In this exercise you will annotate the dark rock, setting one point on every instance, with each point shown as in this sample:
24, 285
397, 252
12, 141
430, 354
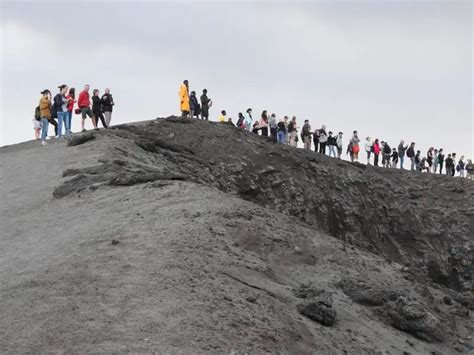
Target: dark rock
413, 318
114, 242
448, 300
319, 309
80, 139
252, 299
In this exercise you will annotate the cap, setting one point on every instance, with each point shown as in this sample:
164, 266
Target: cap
45, 91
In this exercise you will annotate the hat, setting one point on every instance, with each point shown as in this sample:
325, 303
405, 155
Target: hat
45, 91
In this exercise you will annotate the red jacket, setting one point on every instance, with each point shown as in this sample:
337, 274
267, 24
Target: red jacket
83, 100
70, 105
376, 149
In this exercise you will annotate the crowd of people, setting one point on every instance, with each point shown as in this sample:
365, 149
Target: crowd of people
285, 130
61, 107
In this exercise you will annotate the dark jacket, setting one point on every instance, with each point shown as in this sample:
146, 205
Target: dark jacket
411, 152
440, 158
306, 131
332, 141
386, 149
281, 127
401, 150
449, 162
107, 103
291, 127
194, 104
96, 104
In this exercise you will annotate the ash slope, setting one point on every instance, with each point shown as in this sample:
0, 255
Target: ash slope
204, 220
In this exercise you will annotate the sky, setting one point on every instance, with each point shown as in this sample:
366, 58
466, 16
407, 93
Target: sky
391, 70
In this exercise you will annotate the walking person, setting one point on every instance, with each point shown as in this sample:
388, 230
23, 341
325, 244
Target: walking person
60, 107
206, 104
281, 131
306, 135
71, 96
332, 143
97, 109
184, 98
401, 152
411, 155
84, 104
45, 114
339, 145
107, 106
376, 149
355, 146
368, 148
292, 131
263, 124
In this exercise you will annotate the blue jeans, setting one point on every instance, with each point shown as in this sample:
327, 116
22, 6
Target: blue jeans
402, 158
44, 128
332, 151
281, 137
69, 122
62, 117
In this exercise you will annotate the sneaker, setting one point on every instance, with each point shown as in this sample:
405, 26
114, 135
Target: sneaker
43, 143
48, 137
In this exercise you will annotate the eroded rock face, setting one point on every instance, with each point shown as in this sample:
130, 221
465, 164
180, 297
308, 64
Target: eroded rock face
419, 219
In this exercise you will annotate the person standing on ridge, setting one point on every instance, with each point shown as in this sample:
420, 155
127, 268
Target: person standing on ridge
376, 149
355, 146
394, 157
184, 98
449, 165
411, 155
70, 106
273, 127
240, 121
386, 153
223, 117
418, 161
206, 104
461, 166
281, 131
263, 123
248, 119
435, 161
84, 104
306, 135
339, 145
332, 142
60, 107
292, 131
194, 105
441, 160
453, 167
430, 158
368, 148
322, 138
97, 109
401, 152
45, 114
107, 106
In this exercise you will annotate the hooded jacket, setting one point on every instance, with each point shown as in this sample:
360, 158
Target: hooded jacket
184, 98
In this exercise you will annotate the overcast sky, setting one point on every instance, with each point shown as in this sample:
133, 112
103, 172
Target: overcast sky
392, 70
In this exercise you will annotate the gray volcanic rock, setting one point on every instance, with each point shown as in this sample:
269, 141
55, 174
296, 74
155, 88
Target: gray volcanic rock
425, 220
184, 236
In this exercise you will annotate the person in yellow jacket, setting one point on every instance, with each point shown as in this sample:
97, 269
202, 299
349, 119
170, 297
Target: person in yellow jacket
45, 114
184, 98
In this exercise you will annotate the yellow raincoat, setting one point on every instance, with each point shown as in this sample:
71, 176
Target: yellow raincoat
184, 98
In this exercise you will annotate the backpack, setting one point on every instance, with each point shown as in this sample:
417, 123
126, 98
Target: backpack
37, 114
